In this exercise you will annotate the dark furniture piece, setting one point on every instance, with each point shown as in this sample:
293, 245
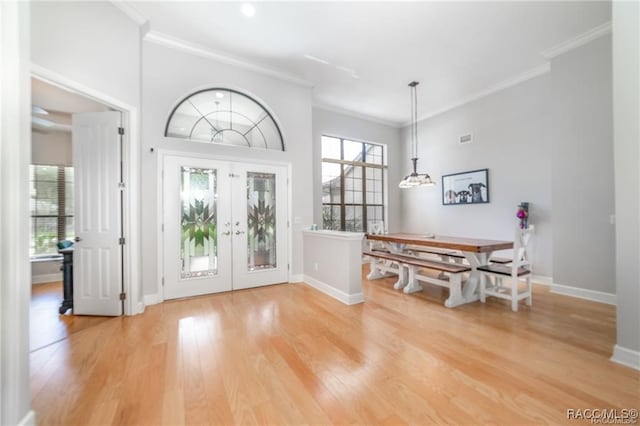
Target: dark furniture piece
67, 279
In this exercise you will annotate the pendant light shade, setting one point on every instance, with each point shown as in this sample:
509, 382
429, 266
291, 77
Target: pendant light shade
415, 179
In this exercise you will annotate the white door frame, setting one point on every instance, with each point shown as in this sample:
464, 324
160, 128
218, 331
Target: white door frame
162, 153
131, 170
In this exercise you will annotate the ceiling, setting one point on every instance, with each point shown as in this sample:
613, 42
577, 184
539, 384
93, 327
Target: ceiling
373, 50
59, 105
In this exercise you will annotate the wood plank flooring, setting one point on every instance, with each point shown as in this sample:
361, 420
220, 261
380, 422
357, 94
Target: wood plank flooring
287, 354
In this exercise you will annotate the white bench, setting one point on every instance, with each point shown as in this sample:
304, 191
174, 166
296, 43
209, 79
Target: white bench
409, 282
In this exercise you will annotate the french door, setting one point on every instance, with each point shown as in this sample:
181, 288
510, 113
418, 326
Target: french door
224, 226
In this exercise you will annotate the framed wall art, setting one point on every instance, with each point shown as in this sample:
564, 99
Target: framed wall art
466, 188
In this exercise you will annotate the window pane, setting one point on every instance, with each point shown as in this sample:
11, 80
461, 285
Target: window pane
331, 183
331, 217
353, 218
45, 235
352, 184
48, 173
46, 198
353, 151
330, 148
373, 153
69, 231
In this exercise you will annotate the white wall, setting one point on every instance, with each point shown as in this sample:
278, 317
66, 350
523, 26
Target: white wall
626, 98
15, 151
51, 148
92, 43
330, 123
170, 75
582, 167
511, 138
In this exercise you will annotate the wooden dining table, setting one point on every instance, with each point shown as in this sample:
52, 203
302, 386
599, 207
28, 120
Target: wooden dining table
476, 251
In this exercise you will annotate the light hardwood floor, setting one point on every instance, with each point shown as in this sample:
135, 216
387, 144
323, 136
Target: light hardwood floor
287, 354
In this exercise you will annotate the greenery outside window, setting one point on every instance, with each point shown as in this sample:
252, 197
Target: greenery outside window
51, 205
353, 184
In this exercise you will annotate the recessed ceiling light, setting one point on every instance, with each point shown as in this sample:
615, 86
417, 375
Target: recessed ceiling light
219, 95
248, 10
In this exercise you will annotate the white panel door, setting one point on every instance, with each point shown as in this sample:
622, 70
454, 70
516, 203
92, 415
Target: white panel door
197, 227
260, 239
97, 257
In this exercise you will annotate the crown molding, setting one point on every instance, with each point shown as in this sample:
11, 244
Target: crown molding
131, 12
194, 49
520, 78
577, 41
357, 115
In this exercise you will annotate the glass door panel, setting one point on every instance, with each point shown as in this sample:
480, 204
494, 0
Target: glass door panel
260, 237
197, 233
261, 221
199, 242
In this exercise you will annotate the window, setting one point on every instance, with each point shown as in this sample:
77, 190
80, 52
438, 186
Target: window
224, 116
353, 184
51, 207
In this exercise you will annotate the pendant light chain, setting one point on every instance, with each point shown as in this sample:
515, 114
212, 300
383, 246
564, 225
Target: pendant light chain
415, 179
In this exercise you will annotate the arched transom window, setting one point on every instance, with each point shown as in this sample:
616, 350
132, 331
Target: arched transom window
226, 117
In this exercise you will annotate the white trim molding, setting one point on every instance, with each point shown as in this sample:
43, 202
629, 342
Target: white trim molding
225, 58
132, 176
297, 278
583, 293
626, 357
542, 280
46, 278
152, 299
347, 299
577, 41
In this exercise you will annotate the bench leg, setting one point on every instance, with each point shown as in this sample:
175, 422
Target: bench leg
455, 292
374, 272
402, 278
413, 284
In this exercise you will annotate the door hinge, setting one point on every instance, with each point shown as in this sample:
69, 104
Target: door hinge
121, 130
162, 227
288, 224
288, 266
121, 185
163, 281
121, 241
123, 296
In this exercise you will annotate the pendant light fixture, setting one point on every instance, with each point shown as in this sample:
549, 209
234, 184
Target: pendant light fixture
414, 179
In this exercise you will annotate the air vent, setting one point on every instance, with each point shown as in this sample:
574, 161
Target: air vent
465, 139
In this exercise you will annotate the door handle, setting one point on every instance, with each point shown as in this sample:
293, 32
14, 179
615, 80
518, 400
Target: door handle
77, 239
226, 233
239, 232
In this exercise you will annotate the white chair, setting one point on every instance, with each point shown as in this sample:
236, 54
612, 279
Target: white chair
502, 280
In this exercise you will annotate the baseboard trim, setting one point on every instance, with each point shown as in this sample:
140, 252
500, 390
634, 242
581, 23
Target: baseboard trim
347, 299
152, 299
296, 278
29, 419
626, 357
583, 293
542, 280
46, 278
